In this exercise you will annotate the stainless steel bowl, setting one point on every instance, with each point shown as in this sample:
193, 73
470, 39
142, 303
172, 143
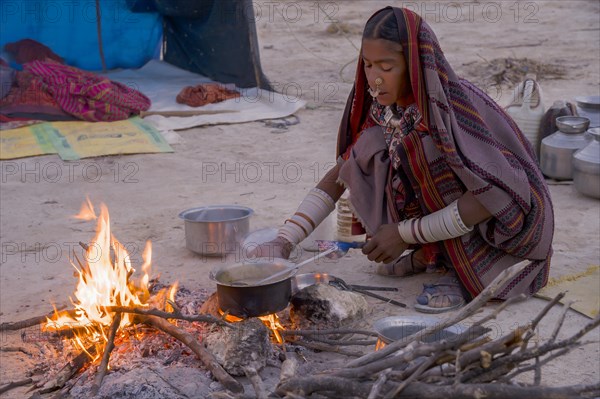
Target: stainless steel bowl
216, 230
396, 328
572, 124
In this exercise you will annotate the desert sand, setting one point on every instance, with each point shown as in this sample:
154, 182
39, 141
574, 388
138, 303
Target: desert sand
308, 57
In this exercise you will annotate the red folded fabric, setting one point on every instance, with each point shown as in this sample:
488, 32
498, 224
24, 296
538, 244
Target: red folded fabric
28, 50
207, 93
86, 95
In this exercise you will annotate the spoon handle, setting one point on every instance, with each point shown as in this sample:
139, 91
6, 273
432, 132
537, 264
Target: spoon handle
285, 271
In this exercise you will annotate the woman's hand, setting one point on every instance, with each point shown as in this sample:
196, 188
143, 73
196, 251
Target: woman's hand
277, 248
386, 245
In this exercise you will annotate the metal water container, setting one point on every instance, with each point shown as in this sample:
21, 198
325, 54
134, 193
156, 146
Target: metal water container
586, 166
558, 148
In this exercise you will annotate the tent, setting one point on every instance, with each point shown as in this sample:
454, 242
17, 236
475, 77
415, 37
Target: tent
214, 38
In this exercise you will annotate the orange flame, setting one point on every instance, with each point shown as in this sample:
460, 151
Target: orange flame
104, 280
87, 211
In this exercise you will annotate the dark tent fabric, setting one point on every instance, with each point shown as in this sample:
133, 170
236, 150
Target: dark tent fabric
215, 38
219, 41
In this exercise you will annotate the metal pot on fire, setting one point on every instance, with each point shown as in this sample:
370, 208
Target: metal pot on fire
239, 295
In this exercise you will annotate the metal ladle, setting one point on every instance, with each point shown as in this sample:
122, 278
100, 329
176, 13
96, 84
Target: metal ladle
331, 250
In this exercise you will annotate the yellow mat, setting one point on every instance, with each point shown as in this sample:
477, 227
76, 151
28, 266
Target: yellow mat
76, 140
24, 142
582, 287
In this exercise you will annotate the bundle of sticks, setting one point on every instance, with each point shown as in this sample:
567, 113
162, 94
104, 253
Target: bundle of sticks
469, 365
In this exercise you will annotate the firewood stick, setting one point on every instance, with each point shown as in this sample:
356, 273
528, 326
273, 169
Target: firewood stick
539, 317
15, 384
68, 371
533, 367
338, 342
495, 391
110, 345
15, 349
414, 350
167, 315
326, 348
528, 354
480, 300
18, 325
257, 382
561, 320
203, 354
424, 366
340, 331
494, 347
85, 270
500, 308
374, 394
288, 369
305, 386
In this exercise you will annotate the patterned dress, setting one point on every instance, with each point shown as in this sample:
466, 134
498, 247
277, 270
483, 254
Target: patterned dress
453, 139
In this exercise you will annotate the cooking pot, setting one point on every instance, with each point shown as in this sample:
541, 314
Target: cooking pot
216, 230
238, 296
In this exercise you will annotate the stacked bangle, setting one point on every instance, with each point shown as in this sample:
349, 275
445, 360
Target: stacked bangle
315, 207
442, 225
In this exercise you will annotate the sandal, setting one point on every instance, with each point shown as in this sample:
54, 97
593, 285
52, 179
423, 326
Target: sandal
406, 265
445, 295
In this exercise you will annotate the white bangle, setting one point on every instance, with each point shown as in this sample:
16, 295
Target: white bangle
315, 207
441, 225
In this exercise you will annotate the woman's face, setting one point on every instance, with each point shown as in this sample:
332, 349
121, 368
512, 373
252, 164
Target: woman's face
384, 59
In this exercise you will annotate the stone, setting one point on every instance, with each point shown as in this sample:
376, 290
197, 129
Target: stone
247, 346
324, 306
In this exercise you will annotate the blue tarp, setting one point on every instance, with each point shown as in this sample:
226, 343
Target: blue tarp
70, 29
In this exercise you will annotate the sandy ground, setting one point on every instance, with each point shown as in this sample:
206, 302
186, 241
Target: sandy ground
270, 170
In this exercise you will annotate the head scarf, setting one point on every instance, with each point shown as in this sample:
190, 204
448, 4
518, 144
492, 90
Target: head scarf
485, 149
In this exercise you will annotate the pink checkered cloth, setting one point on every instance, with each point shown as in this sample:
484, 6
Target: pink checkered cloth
86, 95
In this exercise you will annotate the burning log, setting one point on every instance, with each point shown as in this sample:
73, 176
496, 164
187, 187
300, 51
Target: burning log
18, 325
68, 371
103, 368
169, 315
204, 355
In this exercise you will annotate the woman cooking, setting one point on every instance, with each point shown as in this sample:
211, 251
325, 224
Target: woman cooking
434, 165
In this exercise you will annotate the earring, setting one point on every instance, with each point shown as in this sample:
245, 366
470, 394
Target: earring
375, 93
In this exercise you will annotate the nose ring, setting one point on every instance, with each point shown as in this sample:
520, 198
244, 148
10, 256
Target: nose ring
375, 93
